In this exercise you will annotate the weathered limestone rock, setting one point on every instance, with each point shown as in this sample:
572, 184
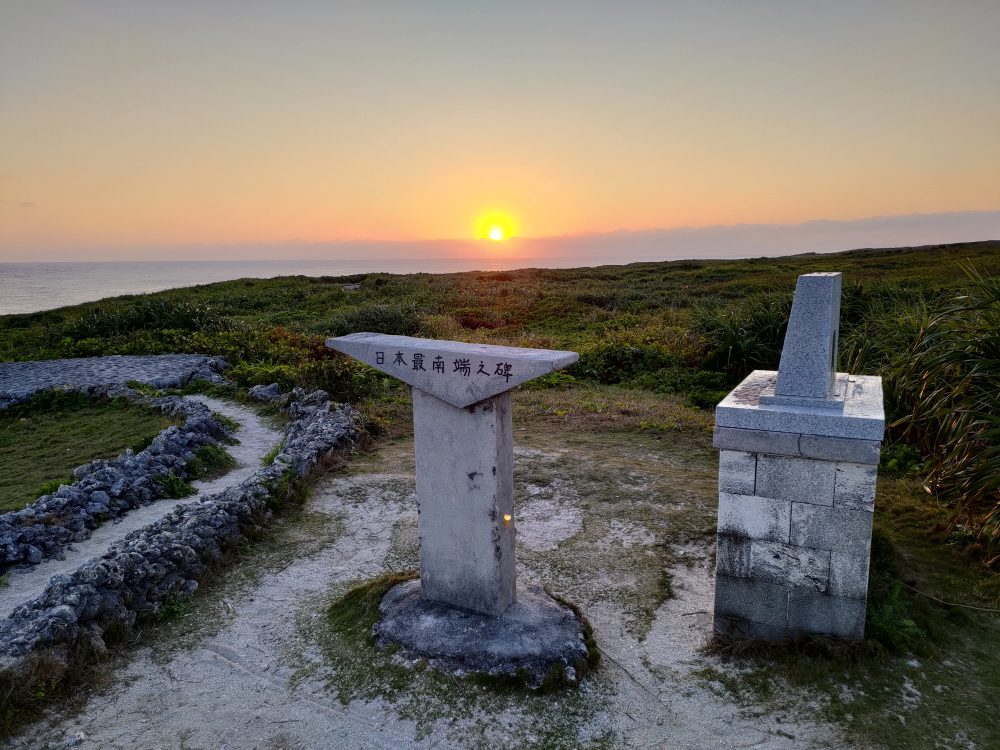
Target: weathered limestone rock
799, 451
138, 573
529, 638
464, 457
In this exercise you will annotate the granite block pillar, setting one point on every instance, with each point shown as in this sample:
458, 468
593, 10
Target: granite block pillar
799, 451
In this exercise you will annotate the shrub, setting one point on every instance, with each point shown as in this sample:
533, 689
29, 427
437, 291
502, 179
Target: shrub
745, 336
402, 320
947, 381
47, 488
888, 619
345, 379
172, 486
681, 380
615, 363
153, 314
209, 461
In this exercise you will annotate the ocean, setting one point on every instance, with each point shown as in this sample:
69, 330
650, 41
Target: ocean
30, 287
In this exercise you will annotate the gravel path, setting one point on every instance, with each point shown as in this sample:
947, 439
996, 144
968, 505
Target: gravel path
256, 439
245, 669
20, 379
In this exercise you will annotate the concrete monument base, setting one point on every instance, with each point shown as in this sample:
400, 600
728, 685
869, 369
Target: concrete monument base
536, 639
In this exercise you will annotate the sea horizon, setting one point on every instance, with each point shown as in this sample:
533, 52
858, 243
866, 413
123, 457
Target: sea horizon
28, 286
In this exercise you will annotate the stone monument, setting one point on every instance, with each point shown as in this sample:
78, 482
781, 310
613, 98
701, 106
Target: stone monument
799, 452
463, 445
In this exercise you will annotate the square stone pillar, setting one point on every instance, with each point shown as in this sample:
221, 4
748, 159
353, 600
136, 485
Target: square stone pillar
465, 486
464, 449
797, 472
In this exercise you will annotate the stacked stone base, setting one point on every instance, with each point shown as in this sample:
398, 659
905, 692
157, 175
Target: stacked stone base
794, 536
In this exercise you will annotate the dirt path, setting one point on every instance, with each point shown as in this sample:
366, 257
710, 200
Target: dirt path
602, 519
256, 439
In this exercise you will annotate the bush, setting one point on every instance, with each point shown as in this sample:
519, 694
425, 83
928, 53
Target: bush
173, 487
947, 381
155, 314
345, 379
616, 363
209, 461
401, 320
900, 458
888, 619
745, 336
681, 380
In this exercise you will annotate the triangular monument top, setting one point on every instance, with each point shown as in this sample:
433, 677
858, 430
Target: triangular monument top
807, 374
457, 373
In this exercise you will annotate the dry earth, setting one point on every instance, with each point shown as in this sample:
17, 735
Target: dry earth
619, 523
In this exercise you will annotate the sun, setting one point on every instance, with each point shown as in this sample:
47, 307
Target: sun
496, 226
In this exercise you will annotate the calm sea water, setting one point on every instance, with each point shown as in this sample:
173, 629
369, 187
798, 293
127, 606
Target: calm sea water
29, 287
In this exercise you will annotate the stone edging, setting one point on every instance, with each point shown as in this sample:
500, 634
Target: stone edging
107, 489
132, 580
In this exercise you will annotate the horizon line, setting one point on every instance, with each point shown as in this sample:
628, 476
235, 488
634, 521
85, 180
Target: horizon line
486, 242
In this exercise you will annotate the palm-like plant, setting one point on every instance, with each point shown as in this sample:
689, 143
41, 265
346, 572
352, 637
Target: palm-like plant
948, 380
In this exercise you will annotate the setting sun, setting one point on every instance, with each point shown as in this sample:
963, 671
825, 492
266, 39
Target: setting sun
496, 226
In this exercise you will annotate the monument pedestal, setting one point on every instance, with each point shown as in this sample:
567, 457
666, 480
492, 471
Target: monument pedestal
796, 497
466, 613
533, 636
799, 452
465, 485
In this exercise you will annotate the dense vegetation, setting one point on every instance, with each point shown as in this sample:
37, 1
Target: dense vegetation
926, 319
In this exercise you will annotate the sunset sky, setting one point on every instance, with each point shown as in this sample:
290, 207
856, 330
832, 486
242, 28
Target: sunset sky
130, 127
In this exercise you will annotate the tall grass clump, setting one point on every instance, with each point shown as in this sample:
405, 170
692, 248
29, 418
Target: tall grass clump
947, 383
144, 315
745, 335
391, 318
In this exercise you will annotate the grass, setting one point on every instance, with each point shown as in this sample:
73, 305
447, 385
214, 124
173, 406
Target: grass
268, 458
659, 344
41, 444
356, 670
352, 616
209, 462
173, 487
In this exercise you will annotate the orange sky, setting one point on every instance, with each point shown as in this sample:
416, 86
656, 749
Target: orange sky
129, 126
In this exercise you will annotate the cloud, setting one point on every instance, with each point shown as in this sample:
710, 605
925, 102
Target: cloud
681, 243
750, 240
26, 204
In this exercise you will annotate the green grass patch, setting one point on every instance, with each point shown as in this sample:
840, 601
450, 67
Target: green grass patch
143, 388
268, 458
210, 461
43, 440
172, 486
175, 606
228, 422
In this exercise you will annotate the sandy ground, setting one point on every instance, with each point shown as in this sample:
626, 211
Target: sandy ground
601, 519
256, 439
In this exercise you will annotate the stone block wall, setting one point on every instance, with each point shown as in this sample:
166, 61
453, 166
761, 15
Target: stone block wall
794, 535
